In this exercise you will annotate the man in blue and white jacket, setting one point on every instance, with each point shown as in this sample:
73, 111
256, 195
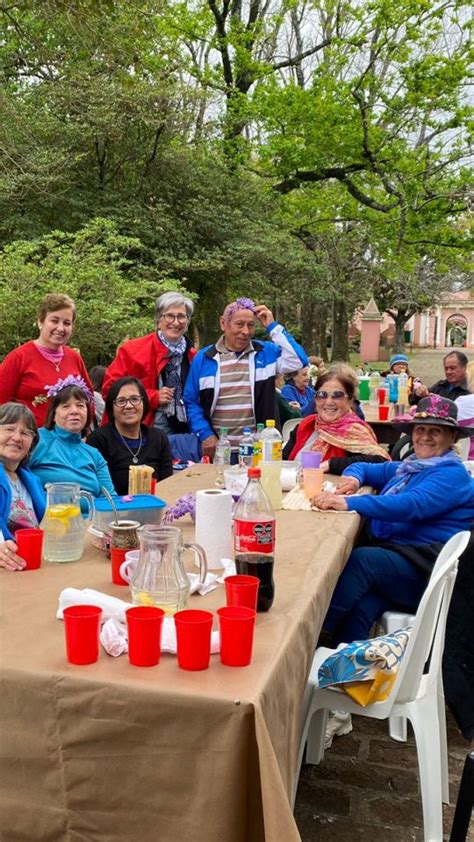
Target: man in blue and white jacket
232, 383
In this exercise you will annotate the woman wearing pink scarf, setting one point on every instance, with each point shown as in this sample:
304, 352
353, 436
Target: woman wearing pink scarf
335, 430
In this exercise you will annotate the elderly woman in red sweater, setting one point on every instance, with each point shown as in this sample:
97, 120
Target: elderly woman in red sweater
335, 431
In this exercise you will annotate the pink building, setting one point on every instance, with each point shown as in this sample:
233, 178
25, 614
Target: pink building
447, 325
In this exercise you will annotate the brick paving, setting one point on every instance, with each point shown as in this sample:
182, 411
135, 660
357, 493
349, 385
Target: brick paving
366, 789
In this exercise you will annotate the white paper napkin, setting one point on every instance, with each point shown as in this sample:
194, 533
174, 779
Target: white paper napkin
113, 638
229, 569
111, 606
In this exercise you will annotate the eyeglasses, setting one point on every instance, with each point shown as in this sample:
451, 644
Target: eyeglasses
338, 395
9, 430
171, 317
133, 399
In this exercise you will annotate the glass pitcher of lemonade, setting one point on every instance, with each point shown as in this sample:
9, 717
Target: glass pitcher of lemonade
63, 525
158, 577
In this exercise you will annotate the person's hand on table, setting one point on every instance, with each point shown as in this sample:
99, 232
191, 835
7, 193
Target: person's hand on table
165, 395
208, 446
328, 500
264, 315
348, 485
8, 557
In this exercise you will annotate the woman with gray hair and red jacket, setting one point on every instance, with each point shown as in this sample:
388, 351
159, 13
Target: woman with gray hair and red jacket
161, 361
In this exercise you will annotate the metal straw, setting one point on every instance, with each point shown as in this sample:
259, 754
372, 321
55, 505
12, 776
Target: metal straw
109, 497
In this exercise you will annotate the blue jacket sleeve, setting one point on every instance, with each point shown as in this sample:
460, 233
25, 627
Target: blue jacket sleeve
103, 473
289, 393
374, 475
425, 497
198, 423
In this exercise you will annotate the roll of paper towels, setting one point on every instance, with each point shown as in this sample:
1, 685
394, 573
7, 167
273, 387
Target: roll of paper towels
214, 525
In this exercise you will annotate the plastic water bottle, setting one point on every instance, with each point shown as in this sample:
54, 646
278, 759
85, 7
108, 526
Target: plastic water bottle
254, 538
374, 385
222, 455
402, 391
271, 443
271, 463
393, 388
257, 445
246, 448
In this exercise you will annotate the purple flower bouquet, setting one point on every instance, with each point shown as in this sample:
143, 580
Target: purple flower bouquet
185, 505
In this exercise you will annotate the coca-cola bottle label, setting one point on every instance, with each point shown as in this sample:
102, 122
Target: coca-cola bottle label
254, 536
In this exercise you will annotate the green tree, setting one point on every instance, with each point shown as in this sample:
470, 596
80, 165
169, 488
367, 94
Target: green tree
108, 275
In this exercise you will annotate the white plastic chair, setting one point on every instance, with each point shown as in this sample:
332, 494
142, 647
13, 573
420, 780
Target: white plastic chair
392, 621
414, 694
288, 426
464, 447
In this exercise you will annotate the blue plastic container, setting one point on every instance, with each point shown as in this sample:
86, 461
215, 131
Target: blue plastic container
142, 507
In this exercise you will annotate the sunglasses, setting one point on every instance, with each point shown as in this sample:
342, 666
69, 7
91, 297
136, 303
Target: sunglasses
338, 395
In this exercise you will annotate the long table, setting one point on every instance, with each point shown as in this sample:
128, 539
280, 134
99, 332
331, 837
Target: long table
384, 431
112, 753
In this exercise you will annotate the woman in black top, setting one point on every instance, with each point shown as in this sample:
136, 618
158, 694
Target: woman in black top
125, 441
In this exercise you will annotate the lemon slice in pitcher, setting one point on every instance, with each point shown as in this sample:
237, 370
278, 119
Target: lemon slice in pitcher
55, 526
57, 520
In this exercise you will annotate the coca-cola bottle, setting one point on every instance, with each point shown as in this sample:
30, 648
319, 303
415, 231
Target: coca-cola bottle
254, 538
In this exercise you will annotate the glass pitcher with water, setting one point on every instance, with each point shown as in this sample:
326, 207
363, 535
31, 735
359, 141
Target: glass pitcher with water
158, 576
63, 525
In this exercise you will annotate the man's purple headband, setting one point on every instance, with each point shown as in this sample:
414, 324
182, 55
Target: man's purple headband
240, 304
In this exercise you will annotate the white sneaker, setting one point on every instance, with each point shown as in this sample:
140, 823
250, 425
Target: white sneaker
338, 724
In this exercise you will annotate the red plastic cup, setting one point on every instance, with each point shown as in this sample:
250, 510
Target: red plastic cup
30, 547
381, 393
82, 625
144, 623
193, 638
153, 486
383, 413
236, 626
242, 590
117, 558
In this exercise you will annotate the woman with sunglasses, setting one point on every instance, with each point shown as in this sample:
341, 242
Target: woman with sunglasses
161, 361
126, 440
335, 431
22, 499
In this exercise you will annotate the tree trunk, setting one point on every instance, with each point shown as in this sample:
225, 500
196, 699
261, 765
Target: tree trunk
340, 329
400, 321
210, 306
309, 338
321, 317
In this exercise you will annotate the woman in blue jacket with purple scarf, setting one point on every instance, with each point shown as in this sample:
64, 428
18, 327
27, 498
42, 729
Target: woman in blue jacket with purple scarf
423, 501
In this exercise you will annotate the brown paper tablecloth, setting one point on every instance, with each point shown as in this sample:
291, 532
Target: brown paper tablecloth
112, 753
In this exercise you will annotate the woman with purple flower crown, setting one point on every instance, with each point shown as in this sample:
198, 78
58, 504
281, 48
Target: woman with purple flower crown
61, 455
25, 370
